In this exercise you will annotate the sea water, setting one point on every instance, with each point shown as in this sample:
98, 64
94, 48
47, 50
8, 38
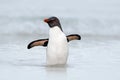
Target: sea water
95, 57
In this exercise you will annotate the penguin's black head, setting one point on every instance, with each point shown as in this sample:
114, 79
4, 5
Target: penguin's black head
52, 22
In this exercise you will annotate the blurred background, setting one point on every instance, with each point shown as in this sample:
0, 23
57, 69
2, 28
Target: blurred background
94, 17
95, 57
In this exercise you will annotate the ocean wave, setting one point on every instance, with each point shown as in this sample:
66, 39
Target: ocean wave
35, 25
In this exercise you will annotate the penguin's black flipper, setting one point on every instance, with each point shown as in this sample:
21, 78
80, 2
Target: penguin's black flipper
44, 42
73, 37
40, 42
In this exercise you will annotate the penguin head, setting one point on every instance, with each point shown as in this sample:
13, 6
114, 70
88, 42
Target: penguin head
52, 22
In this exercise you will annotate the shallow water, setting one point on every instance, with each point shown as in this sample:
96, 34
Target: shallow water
91, 58
95, 57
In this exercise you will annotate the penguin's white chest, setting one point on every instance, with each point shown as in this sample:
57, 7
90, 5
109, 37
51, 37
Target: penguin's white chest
57, 50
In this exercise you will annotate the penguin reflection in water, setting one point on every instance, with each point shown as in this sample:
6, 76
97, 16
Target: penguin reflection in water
57, 43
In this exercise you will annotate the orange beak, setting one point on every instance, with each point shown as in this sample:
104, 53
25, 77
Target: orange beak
46, 20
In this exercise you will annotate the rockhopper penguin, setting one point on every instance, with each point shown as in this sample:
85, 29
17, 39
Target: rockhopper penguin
57, 43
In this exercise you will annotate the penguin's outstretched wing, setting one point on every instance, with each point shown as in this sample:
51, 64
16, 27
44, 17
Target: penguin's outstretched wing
73, 37
44, 42
40, 42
